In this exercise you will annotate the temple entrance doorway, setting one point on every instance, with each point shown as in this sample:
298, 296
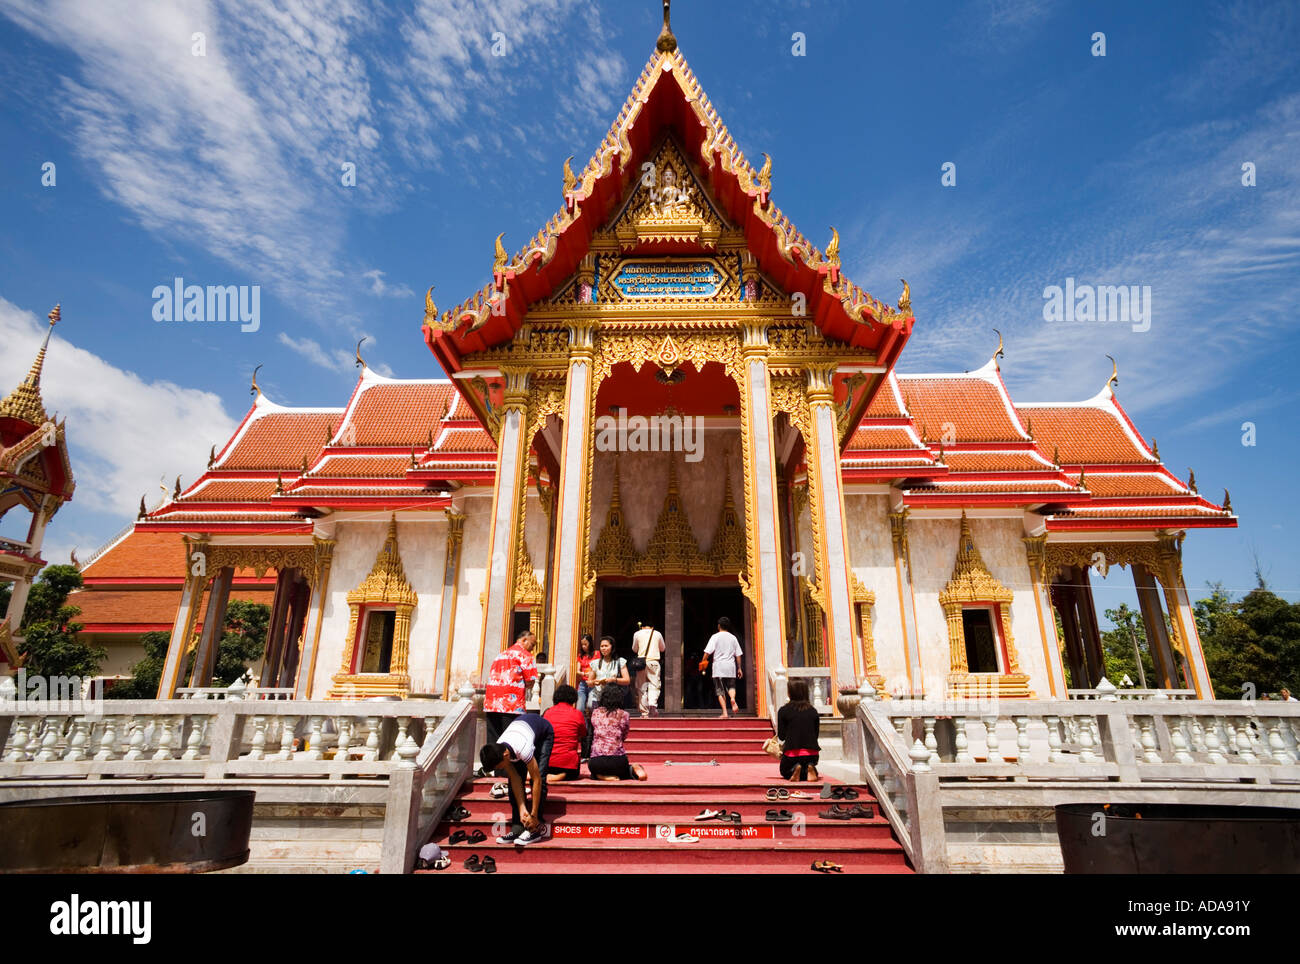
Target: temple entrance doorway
701, 609
623, 610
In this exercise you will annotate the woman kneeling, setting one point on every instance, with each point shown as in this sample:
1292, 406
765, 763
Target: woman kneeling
797, 725
609, 723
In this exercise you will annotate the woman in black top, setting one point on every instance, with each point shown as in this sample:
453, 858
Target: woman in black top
797, 724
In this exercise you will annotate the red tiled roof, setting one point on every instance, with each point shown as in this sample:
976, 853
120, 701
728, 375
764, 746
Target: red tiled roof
141, 554
867, 437
279, 440
1131, 484
887, 403
995, 462
101, 609
397, 413
973, 407
465, 440
1083, 434
231, 490
363, 466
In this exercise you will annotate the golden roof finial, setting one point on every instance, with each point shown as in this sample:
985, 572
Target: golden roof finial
1083, 478
499, 261
212, 456
361, 362
430, 309
254, 389
1114, 372
570, 182
1155, 449
305, 465
24, 402
765, 175
998, 353
666, 43
1029, 427
833, 249
1227, 501
1056, 455
176, 492
279, 483
1191, 481
142, 511
905, 299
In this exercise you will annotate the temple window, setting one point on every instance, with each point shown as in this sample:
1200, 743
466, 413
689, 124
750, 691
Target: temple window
377, 653
981, 640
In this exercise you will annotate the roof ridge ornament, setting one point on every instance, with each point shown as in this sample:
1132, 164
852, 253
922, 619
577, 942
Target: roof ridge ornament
361, 362
1114, 373
1155, 449
1227, 501
666, 43
998, 352
254, 389
570, 181
905, 299
500, 257
833, 249
1191, 481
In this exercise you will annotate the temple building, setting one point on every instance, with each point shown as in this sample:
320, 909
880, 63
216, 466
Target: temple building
669, 406
35, 479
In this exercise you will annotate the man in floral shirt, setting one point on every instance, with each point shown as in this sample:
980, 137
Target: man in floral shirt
508, 678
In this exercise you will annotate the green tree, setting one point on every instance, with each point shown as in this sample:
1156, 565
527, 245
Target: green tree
243, 641
1117, 647
1251, 645
51, 646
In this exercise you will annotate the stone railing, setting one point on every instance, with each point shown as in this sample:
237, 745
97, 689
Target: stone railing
819, 688
1131, 694
420, 749
913, 753
233, 693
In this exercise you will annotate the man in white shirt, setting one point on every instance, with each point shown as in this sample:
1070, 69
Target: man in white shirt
724, 648
648, 644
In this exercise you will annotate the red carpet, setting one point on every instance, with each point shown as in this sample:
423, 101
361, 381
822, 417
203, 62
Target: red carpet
605, 826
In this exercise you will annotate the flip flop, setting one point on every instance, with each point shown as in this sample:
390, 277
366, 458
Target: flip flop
837, 793
771, 793
458, 836
473, 864
442, 863
850, 793
477, 837
734, 817
459, 814
707, 814
800, 795
778, 793
779, 816
821, 866
772, 815
489, 865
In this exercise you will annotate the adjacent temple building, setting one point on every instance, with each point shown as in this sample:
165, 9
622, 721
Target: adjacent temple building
670, 406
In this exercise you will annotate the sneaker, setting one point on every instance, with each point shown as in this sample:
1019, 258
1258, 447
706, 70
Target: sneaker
508, 837
531, 836
500, 791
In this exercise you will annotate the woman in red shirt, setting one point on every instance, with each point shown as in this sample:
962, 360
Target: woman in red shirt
586, 653
570, 728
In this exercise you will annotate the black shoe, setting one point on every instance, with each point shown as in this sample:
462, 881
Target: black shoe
836, 812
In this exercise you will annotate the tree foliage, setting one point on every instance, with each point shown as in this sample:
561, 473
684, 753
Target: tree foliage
1117, 648
51, 646
1251, 645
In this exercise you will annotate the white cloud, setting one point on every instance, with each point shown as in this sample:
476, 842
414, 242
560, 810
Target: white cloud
382, 289
332, 359
124, 433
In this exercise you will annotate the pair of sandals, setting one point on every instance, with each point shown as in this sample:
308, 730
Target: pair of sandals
460, 836
779, 816
836, 812
838, 793
500, 791
442, 863
781, 793
826, 867
459, 814
721, 815
486, 865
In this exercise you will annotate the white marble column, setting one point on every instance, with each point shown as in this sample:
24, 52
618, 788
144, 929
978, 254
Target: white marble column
571, 509
761, 512
907, 601
1036, 555
834, 551
512, 463
196, 578
450, 588
1183, 614
302, 685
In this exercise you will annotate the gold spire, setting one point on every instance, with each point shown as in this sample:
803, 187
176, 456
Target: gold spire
24, 402
666, 43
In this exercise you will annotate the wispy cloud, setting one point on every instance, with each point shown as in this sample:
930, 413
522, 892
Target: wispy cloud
382, 289
331, 359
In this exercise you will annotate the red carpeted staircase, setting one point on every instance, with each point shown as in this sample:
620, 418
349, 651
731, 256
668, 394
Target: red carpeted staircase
601, 826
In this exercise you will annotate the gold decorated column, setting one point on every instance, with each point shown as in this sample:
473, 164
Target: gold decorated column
450, 592
1036, 555
834, 578
196, 578
323, 558
512, 471
906, 600
1187, 641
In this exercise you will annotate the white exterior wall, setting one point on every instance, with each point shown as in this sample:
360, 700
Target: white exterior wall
468, 632
871, 554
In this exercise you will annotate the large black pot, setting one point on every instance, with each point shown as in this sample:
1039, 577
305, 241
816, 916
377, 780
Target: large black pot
152, 833
1174, 838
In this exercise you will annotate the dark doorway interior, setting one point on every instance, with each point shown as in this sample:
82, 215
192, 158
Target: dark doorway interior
701, 608
623, 611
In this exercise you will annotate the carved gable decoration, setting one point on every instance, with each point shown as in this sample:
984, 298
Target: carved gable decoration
971, 580
668, 205
387, 580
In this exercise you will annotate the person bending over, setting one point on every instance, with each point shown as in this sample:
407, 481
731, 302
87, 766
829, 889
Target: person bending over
524, 750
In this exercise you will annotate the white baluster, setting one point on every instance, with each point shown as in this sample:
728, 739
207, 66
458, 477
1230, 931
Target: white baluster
1197, 733
18, 741
1087, 745
1244, 748
258, 748
931, 743
194, 745
963, 747
77, 737
108, 740
1276, 745
344, 726
135, 745
287, 725
1150, 746
1022, 738
50, 739
314, 739
405, 749
1213, 744
1054, 752
991, 739
920, 757
1178, 740
164, 751
372, 739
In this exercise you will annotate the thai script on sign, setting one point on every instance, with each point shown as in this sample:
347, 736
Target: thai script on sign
668, 279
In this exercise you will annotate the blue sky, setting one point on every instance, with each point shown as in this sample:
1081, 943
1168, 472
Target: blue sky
225, 169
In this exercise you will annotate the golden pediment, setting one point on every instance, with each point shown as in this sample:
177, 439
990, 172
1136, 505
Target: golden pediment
668, 205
